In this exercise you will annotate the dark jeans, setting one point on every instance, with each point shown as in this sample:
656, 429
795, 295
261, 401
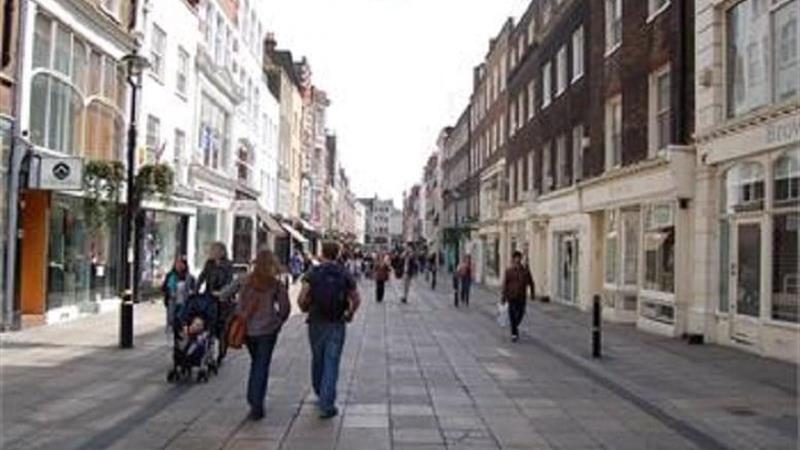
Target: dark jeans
465, 283
516, 311
260, 348
433, 279
380, 289
327, 342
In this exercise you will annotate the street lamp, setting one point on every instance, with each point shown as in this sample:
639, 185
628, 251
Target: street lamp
135, 65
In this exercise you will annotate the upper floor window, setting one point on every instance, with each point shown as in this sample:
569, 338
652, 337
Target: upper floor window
659, 110
787, 178
547, 87
521, 109
744, 188
613, 24
577, 152
213, 134
158, 44
153, 138
656, 6
614, 132
763, 60
531, 30
531, 99
561, 70
183, 71
562, 165
577, 54
547, 170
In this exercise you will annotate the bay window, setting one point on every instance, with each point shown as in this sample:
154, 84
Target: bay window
763, 59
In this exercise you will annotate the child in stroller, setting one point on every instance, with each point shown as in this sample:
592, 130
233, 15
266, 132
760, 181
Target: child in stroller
193, 338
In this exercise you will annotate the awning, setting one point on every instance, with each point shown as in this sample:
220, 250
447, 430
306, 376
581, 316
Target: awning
271, 224
307, 226
295, 234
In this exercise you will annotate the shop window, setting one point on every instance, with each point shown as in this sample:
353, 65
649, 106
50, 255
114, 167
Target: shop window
630, 254
56, 114
611, 247
724, 265
787, 179
206, 234
786, 267
744, 188
242, 240
763, 63
659, 251
162, 240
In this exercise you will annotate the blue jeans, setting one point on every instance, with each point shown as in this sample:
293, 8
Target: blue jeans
327, 343
466, 283
260, 348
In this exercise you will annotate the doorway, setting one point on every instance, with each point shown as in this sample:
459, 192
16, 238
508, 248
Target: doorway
567, 267
746, 280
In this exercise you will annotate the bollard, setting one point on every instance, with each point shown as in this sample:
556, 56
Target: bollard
126, 321
596, 329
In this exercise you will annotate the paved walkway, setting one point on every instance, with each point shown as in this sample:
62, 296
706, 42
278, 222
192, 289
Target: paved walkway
417, 376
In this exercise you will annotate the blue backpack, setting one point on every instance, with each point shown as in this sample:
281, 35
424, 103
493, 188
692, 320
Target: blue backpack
329, 288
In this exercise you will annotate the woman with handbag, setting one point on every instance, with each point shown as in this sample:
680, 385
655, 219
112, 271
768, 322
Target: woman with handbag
263, 308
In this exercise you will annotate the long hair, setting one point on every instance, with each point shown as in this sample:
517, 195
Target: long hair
265, 271
217, 250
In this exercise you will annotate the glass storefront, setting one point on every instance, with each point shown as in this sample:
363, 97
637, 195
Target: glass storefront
82, 260
163, 240
567, 269
207, 233
242, 240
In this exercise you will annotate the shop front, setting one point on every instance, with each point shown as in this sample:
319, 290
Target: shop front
164, 237
253, 230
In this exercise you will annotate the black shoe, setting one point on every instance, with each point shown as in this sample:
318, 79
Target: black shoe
403, 300
256, 414
514, 337
329, 414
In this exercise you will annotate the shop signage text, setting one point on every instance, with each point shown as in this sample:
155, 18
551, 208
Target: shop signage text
784, 132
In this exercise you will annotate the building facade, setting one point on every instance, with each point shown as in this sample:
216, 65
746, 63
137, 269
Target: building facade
745, 248
458, 191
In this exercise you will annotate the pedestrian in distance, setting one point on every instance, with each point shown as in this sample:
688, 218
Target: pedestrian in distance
410, 269
178, 285
516, 282
264, 305
217, 274
296, 266
464, 273
331, 299
382, 271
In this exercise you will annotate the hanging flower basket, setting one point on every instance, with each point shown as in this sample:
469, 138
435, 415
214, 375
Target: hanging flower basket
155, 181
102, 183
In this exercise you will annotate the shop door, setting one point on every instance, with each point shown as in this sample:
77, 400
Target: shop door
745, 281
567, 276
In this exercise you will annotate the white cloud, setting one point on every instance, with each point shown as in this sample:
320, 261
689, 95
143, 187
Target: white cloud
397, 71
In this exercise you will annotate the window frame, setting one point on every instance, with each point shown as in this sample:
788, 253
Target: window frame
547, 84
158, 50
613, 141
182, 72
562, 71
656, 114
578, 54
613, 19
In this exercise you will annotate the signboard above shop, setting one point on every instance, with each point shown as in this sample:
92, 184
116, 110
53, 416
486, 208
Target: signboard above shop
55, 173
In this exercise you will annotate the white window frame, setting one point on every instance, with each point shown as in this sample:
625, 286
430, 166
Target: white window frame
577, 152
561, 162
578, 56
158, 52
532, 30
182, 71
654, 9
561, 70
612, 123
531, 99
547, 175
547, 84
613, 15
152, 138
654, 113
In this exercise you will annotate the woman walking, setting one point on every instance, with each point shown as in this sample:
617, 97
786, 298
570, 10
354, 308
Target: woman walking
382, 272
264, 304
177, 286
216, 275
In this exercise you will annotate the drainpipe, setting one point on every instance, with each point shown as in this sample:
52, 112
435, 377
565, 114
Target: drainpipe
679, 83
17, 155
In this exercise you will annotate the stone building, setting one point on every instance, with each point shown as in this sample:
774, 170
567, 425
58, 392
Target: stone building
458, 190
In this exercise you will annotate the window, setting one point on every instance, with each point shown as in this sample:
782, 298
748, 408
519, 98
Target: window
630, 253
785, 267
521, 184
562, 174
577, 54
659, 110
547, 88
179, 156
104, 131
531, 171
502, 130
611, 247
153, 139
614, 132
158, 44
659, 249
787, 178
521, 110
531, 99
744, 188
512, 118
763, 59
531, 30
561, 70
183, 71
213, 134
113, 8
577, 152
547, 173
613, 24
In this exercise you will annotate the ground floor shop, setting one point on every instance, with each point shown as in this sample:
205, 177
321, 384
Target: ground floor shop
747, 284
164, 238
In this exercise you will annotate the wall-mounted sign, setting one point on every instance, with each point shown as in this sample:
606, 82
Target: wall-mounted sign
58, 174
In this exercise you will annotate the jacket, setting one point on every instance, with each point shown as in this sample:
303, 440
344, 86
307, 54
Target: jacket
171, 284
215, 275
265, 310
516, 281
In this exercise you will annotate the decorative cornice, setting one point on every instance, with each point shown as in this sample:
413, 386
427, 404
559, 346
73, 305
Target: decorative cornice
751, 120
220, 77
99, 20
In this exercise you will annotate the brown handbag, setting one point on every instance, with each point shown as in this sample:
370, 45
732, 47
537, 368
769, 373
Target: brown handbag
237, 330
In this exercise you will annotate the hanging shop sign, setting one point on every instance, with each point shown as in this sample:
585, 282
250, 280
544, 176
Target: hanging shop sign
57, 173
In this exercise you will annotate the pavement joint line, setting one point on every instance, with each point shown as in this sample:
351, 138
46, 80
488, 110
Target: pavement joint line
627, 391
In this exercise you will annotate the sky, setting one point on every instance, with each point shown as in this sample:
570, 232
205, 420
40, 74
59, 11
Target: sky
397, 72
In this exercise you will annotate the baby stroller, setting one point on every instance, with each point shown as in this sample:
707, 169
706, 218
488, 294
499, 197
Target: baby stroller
193, 339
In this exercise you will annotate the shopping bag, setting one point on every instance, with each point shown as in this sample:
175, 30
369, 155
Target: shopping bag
502, 314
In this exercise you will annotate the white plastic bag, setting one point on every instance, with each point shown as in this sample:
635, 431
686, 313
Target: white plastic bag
502, 314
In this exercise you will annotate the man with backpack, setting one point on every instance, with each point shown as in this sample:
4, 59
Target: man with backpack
331, 299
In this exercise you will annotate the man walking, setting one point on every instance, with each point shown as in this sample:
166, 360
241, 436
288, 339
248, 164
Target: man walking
330, 297
464, 273
382, 272
516, 282
433, 267
410, 268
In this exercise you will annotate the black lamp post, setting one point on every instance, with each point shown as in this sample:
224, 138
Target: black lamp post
135, 65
